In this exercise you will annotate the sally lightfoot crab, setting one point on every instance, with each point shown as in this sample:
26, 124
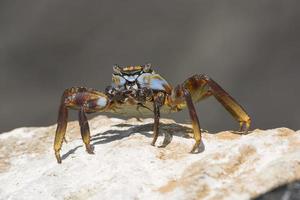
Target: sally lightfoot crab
139, 91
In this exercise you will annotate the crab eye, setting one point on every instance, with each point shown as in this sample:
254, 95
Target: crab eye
117, 70
147, 67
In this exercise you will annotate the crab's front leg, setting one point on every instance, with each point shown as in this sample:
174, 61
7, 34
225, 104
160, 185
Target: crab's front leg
85, 130
194, 118
158, 101
85, 101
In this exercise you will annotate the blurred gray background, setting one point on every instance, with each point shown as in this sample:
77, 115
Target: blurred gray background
251, 48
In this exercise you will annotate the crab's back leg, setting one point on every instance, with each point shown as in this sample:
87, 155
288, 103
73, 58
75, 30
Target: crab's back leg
230, 104
85, 130
61, 129
202, 86
197, 88
182, 96
194, 118
86, 101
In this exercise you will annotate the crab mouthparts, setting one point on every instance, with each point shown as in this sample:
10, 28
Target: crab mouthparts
131, 85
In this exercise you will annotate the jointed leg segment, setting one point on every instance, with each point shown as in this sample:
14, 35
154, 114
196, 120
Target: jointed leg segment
84, 100
156, 123
60, 130
199, 87
231, 105
195, 120
85, 130
207, 86
158, 101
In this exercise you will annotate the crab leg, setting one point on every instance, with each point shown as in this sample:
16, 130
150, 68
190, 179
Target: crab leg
156, 122
60, 130
86, 101
159, 99
201, 86
197, 88
231, 105
194, 118
85, 130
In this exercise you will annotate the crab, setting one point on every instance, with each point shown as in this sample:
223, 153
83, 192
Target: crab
140, 91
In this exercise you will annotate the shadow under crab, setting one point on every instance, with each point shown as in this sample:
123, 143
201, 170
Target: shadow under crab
168, 130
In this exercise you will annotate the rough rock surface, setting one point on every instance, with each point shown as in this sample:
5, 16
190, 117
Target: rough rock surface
126, 166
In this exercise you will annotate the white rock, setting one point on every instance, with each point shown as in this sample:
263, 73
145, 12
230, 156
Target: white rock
126, 166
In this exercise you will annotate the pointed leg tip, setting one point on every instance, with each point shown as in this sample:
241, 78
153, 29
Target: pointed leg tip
154, 141
58, 158
90, 149
198, 148
194, 149
244, 128
90, 152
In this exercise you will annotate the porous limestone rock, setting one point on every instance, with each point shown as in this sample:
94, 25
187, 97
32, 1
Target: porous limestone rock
126, 166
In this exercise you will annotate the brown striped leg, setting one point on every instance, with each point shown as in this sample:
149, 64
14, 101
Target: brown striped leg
231, 105
85, 130
60, 130
195, 120
156, 122
202, 86
86, 101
